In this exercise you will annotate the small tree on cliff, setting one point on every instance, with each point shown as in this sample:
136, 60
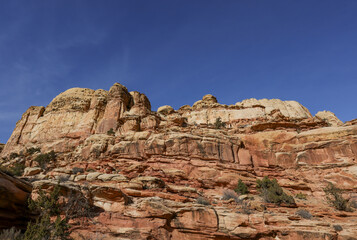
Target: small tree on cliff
241, 188
49, 225
271, 192
219, 124
335, 198
111, 132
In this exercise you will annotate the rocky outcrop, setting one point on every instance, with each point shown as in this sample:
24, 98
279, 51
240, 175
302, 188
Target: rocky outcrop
13, 202
147, 170
73, 116
330, 118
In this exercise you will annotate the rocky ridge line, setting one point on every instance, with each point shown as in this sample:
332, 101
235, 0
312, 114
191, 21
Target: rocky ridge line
147, 169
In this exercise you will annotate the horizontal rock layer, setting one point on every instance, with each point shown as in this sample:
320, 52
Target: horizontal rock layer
146, 170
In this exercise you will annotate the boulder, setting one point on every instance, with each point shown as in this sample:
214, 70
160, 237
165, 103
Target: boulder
165, 110
31, 171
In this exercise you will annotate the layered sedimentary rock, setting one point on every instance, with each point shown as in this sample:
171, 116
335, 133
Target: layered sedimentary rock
147, 169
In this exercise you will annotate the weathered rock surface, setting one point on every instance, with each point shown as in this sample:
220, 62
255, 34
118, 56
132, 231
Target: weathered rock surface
146, 170
13, 202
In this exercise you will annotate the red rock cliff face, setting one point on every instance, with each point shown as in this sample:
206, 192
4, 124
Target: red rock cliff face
164, 161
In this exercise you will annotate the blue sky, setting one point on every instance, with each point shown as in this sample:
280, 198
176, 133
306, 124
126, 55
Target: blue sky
177, 51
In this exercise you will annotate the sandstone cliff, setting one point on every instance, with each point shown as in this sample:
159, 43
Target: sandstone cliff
146, 169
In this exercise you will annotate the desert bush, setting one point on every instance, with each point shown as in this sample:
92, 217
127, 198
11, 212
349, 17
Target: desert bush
11, 234
44, 158
78, 206
32, 150
229, 194
338, 228
301, 196
219, 124
76, 170
45, 227
271, 192
335, 198
13, 155
111, 132
203, 201
17, 169
241, 188
304, 213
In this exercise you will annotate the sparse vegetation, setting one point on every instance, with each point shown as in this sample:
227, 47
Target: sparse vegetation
230, 194
219, 124
203, 201
301, 196
76, 170
78, 206
17, 169
13, 155
338, 228
241, 188
45, 227
32, 150
111, 132
335, 198
271, 192
304, 213
44, 158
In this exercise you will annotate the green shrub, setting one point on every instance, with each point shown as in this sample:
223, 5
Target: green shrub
76, 170
45, 228
334, 197
304, 213
271, 192
111, 132
301, 196
78, 206
14, 155
241, 188
17, 169
337, 228
44, 158
32, 150
219, 124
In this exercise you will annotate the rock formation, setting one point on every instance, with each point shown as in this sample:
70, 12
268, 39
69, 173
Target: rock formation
13, 202
147, 170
